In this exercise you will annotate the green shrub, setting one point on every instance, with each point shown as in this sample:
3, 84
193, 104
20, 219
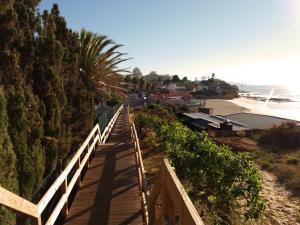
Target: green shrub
293, 160
114, 101
153, 106
8, 170
146, 123
224, 181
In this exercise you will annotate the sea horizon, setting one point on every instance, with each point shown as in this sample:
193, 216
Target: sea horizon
282, 101
270, 91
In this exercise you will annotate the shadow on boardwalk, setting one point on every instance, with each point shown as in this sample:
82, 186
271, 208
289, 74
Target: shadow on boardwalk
109, 193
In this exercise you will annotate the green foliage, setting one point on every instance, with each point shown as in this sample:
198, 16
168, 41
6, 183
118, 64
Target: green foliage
153, 106
114, 100
286, 135
175, 78
216, 88
292, 160
164, 112
99, 60
8, 178
146, 123
46, 107
26, 131
224, 181
46, 96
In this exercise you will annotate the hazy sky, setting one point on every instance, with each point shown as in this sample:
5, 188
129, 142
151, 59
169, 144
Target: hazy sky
251, 41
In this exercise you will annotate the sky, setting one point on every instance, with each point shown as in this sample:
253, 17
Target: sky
246, 41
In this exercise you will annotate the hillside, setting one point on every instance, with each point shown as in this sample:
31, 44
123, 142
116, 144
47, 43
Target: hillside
216, 88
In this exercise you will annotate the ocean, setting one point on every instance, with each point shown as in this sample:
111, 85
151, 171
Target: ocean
283, 101
279, 92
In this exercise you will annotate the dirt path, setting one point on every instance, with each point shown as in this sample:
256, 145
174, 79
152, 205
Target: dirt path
282, 207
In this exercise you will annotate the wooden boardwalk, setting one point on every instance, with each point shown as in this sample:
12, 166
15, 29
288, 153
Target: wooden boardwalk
109, 193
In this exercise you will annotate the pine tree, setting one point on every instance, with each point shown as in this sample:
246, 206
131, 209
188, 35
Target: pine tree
69, 110
25, 124
46, 108
8, 178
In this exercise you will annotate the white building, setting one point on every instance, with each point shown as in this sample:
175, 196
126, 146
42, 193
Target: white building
173, 87
153, 76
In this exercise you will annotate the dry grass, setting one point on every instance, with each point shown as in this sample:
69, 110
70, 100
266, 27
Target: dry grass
282, 162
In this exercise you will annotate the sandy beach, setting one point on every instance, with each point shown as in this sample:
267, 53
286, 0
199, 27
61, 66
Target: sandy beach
225, 107
289, 110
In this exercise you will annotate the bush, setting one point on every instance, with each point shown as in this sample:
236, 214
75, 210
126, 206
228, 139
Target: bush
293, 160
114, 101
286, 135
146, 124
162, 112
224, 181
153, 106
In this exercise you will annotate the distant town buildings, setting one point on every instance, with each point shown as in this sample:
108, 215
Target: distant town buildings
175, 87
175, 98
153, 76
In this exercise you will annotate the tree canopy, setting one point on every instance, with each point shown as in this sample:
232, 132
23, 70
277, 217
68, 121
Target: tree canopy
49, 76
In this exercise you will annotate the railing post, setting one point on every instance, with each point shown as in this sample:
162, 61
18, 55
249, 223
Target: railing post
64, 187
157, 190
88, 148
99, 132
165, 200
94, 136
78, 182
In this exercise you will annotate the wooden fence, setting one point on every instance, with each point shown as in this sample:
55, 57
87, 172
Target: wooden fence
141, 171
174, 205
168, 203
69, 178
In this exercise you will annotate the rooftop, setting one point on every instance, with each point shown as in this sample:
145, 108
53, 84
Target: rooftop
172, 95
258, 121
203, 121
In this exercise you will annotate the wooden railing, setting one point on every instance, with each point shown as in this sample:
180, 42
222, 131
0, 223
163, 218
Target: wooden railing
141, 171
110, 125
64, 184
168, 203
174, 206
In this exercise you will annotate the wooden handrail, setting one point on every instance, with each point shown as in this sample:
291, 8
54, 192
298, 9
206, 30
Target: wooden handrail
55, 186
176, 206
35, 211
109, 127
12, 201
141, 170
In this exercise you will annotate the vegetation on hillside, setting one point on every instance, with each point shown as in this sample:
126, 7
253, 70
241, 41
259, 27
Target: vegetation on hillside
216, 88
222, 182
286, 135
279, 152
276, 150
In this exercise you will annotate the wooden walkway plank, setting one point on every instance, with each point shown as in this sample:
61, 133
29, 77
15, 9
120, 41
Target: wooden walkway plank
109, 193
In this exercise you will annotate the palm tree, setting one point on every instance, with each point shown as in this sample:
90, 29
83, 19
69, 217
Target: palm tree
99, 63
